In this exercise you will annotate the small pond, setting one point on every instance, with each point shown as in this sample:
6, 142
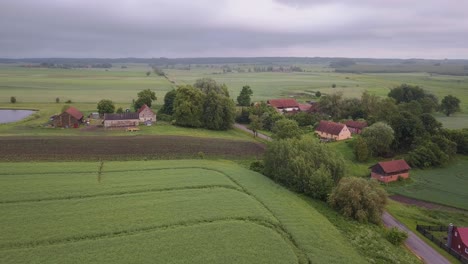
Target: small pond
10, 115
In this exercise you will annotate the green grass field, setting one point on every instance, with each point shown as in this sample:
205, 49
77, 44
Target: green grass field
165, 211
447, 186
36, 85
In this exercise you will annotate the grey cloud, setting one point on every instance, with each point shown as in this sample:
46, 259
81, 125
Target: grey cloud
147, 28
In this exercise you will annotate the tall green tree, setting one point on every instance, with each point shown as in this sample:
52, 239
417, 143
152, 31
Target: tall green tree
378, 138
407, 128
406, 93
218, 111
331, 104
144, 97
207, 85
286, 128
449, 105
360, 199
255, 124
361, 150
188, 106
244, 97
168, 107
304, 165
105, 106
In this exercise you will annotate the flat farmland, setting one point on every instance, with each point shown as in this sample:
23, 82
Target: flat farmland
446, 186
78, 85
185, 211
120, 147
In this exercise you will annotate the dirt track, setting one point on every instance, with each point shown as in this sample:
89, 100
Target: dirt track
123, 147
424, 204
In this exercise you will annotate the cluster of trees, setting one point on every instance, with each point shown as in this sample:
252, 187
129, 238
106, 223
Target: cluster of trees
158, 71
74, 65
205, 104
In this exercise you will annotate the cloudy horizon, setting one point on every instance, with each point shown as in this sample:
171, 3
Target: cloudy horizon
431, 29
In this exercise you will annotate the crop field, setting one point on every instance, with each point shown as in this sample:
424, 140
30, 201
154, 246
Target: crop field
186, 211
124, 148
447, 186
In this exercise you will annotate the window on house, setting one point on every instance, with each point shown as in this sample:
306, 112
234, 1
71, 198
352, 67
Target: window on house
466, 250
456, 234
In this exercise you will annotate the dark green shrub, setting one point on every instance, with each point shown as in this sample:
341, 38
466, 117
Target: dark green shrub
12, 99
395, 236
257, 166
165, 118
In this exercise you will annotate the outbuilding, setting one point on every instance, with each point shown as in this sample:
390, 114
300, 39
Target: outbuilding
146, 115
457, 240
356, 127
121, 120
389, 171
287, 105
332, 131
71, 117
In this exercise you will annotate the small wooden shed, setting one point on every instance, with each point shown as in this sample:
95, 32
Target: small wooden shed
388, 171
71, 117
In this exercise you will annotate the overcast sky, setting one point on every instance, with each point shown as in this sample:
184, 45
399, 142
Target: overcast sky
240, 28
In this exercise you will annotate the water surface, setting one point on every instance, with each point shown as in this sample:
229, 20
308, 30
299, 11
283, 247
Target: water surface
10, 115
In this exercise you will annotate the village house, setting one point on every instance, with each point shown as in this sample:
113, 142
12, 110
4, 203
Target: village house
457, 239
332, 131
121, 120
69, 118
146, 114
356, 127
389, 171
284, 105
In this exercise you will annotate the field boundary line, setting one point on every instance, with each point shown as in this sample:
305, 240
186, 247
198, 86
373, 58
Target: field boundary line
78, 197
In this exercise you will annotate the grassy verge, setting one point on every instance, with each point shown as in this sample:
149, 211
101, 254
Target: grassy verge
411, 216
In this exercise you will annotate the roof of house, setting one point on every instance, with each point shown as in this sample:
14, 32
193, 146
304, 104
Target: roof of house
330, 127
463, 231
123, 116
393, 166
74, 112
283, 103
305, 107
356, 124
143, 108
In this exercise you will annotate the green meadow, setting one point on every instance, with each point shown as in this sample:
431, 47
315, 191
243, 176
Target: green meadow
447, 186
152, 211
40, 85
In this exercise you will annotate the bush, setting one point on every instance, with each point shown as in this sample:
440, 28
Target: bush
201, 154
164, 117
57, 100
257, 166
395, 236
12, 99
360, 199
68, 101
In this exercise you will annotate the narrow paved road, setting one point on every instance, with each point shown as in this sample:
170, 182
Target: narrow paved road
244, 128
416, 244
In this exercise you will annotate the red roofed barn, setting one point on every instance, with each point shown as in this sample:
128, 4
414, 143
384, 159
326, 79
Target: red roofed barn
146, 114
70, 118
388, 171
284, 105
356, 127
332, 130
458, 240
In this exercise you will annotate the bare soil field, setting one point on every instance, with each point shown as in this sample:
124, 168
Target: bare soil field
123, 148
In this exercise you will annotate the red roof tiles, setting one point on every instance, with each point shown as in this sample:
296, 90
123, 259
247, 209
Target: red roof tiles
143, 108
330, 127
463, 231
74, 112
356, 124
394, 166
305, 107
283, 103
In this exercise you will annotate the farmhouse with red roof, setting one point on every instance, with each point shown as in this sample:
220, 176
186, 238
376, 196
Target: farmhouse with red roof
332, 130
356, 127
146, 114
284, 105
457, 240
69, 118
388, 171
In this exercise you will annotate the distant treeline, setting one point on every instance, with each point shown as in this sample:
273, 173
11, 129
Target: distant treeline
230, 60
53, 65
